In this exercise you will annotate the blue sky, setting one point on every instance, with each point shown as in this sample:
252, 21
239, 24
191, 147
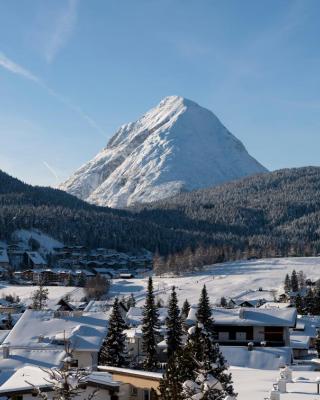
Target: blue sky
73, 71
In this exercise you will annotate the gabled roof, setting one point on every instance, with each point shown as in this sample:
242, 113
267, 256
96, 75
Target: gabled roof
45, 330
26, 378
250, 316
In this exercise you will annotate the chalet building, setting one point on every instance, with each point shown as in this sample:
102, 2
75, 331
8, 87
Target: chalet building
246, 303
39, 337
261, 327
136, 385
17, 387
303, 335
108, 384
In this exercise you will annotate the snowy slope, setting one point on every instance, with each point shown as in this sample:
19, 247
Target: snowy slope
238, 280
177, 146
47, 243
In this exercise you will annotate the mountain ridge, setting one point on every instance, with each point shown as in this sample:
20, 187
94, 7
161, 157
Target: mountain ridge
176, 146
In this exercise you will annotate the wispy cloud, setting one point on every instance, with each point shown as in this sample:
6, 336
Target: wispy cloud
53, 172
62, 31
11, 66
17, 69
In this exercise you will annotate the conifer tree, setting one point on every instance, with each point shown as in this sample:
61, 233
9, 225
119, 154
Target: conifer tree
294, 281
287, 284
39, 297
70, 280
174, 325
223, 302
185, 310
204, 314
113, 351
177, 371
150, 330
309, 302
317, 343
316, 299
299, 303
205, 351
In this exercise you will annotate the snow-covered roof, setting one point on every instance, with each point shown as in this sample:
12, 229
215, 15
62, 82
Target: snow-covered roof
133, 332
299, 341
250, 316
305, 330
98, 306
101, 270
259, 357
36, 258
43, 329
102, 378
26, 378
40, 357
4, 256
18, 380
134, 315
256, 384
131, 372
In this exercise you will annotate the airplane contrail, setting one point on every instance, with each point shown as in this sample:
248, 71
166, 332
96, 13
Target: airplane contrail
17, 69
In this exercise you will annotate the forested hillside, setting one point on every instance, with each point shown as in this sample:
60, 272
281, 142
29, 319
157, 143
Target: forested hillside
266, 215
270, 214
74, 221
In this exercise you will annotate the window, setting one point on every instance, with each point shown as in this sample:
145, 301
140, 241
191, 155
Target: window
146, 395
273, 334
241, 336
223, 336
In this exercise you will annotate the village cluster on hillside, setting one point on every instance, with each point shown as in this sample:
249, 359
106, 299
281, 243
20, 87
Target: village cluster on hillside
22, 263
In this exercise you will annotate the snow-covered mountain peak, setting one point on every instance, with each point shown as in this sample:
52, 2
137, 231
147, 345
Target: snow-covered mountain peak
176, 146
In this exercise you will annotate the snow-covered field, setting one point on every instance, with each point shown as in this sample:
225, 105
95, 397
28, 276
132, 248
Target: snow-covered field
240, 280
55, 292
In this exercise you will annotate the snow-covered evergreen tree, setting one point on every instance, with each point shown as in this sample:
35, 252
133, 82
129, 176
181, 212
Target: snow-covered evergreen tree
173, 324
205, 386
309, 302
113, 351
177, 372
204, 314
67, 383
150, 330
316, 299
184, 315
299, 303
294, 281
317, 343
287, 284
201, 345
